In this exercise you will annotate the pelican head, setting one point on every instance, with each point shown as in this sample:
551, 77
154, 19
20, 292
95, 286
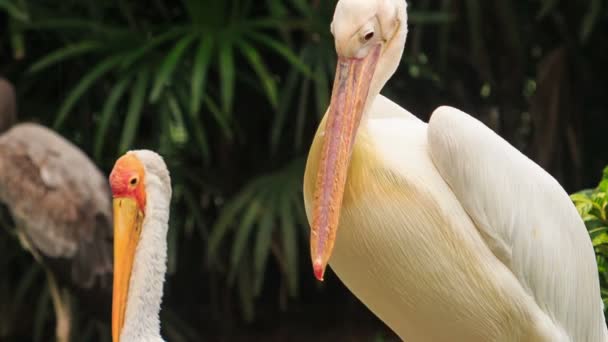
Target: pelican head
369, 37
369, 34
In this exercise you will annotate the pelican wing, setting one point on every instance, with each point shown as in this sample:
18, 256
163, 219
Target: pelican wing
59, 200
525, 217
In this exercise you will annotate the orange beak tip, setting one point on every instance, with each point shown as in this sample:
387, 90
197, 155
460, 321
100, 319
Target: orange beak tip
319, 269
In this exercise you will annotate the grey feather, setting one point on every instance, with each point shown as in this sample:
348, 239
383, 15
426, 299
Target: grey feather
59, 198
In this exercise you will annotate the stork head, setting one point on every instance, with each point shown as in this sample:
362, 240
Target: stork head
369, 37
141, 188
129, 201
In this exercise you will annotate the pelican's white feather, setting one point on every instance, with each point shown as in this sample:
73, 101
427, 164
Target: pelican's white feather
447, 232
526, 218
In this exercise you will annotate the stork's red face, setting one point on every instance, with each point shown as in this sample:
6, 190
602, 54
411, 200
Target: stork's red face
127, 180
128, 190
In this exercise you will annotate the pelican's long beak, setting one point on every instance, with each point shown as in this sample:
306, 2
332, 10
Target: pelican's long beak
128, 220
350, 91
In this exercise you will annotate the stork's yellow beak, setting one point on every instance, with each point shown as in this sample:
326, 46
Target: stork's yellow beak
128, 219
350, 90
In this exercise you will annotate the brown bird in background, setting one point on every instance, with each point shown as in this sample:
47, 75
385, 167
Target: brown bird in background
61, 207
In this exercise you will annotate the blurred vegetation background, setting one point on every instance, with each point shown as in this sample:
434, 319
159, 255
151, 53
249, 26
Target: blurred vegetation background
231, 91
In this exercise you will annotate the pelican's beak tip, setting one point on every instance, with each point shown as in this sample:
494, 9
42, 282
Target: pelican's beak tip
319, 269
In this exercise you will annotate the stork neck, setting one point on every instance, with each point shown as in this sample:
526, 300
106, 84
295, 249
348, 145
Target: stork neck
142, 322
8, 105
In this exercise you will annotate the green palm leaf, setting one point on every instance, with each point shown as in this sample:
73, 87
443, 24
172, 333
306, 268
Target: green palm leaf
64, 54
85, 83
134, 112
107, 113
255, 60
227, 75
168, 66
199, 72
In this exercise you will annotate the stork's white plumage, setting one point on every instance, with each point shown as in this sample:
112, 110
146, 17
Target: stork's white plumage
141, 188
444, 230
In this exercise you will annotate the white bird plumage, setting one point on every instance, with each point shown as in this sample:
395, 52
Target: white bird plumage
540, 236
141, 320
447, 232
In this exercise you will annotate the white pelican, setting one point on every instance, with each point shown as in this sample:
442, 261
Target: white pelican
445, 231
60, 204
141, 188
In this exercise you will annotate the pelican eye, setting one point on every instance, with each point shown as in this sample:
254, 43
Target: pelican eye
133, 181
368, 36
